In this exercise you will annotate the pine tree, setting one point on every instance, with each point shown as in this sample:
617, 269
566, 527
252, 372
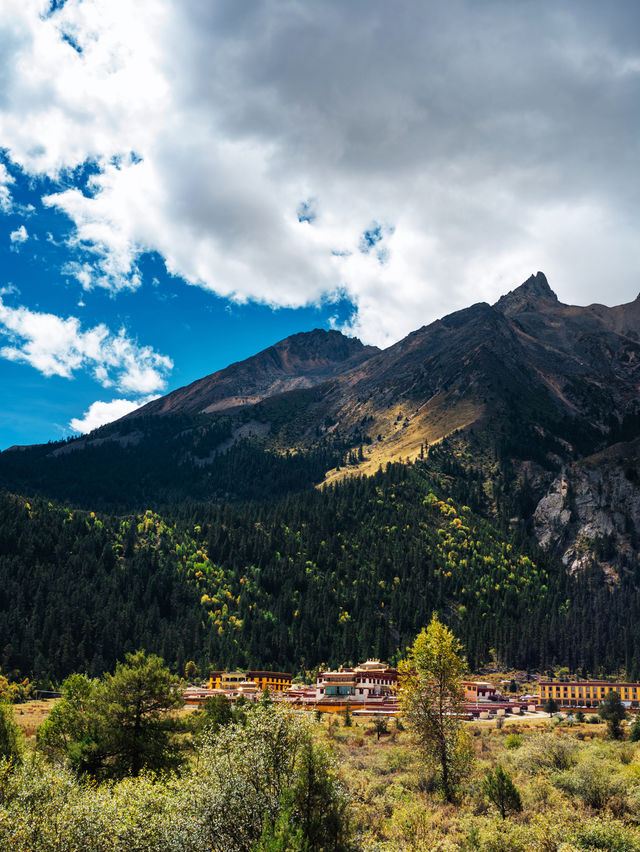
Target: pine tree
502, 792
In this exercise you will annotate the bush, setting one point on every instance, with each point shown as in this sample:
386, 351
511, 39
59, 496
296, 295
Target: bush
607, 835
513, 741
10, 735
594, 780
546, 752
262, 783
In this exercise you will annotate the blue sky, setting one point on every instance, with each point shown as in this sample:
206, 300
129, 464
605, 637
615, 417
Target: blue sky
182, 185
197, 330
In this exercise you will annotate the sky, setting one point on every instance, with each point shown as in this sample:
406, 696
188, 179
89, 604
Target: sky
185, 182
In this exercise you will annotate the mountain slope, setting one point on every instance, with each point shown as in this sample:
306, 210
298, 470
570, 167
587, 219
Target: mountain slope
300, 361
529, 387
326, 577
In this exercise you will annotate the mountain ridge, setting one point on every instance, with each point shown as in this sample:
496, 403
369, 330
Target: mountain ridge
529, 387
301, 360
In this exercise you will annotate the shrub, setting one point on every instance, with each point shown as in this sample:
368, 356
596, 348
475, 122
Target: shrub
10, 734
546, 752
607, 835
513, 741
594, 780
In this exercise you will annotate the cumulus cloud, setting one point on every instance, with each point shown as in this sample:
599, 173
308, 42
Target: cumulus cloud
59, 347
20, 235
253, 146
100, 413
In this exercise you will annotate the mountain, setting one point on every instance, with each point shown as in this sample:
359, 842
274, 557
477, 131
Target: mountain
529, 390
486, 467
300, 361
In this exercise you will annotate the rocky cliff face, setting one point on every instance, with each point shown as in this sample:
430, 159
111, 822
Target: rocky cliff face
591, 512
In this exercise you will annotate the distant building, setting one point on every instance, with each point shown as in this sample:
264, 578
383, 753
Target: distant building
370, 679
249, 681
479, 690
588, 693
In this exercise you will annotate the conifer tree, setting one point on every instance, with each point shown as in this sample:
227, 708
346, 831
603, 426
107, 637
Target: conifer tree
499, 788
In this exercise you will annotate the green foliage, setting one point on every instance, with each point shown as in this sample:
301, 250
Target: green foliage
432, 700
594, 779
249, 774
15, 688
319, 803
118, 726
193, 466
513, 741
546, 752
380, 725
634, 732
11, 743
499, 788
613, 711
264, 785
345, 573
215, 713
550, 706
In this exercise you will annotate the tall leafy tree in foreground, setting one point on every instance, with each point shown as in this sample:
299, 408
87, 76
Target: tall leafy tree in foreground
432, 698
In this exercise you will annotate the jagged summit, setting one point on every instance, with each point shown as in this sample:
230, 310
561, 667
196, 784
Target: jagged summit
530, 296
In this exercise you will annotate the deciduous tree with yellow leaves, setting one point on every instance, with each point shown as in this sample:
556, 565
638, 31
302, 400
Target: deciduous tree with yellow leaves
432, 699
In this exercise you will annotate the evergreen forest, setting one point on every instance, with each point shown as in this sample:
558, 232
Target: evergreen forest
329, 576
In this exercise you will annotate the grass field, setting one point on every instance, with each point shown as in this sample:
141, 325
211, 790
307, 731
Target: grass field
32, 714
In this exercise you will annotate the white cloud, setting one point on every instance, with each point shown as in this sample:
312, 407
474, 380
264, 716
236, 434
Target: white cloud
59, 347
20, 235
6, 180
466, 127
99, 413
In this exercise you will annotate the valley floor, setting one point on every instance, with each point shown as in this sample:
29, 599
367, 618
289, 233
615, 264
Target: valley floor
578, 789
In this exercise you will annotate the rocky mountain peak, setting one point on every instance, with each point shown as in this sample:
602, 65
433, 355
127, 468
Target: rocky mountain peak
302, 360
530, 296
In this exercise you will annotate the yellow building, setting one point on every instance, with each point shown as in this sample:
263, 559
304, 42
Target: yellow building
273, 681
588, 693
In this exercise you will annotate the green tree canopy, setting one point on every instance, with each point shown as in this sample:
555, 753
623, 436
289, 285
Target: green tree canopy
10, 734
499, 788
118, 726
613, 711
550, 706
